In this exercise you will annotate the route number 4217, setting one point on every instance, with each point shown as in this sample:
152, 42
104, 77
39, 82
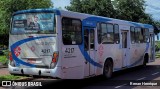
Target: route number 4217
45, 51
69, 50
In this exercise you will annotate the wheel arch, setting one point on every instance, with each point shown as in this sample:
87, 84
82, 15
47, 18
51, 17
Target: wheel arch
110, 59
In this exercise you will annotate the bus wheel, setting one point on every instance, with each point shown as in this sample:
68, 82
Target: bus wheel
108, 69
145, 60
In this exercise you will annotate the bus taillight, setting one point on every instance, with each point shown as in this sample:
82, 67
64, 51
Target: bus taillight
10, 56
55, 57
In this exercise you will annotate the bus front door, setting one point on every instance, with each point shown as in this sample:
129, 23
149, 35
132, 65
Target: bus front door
152, 50
125, 48
89, 47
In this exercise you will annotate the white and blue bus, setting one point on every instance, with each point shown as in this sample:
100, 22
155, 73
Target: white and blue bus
70, 45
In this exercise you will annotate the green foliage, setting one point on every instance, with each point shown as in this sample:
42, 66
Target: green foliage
156, 25
10, 6
157, 55
157, 45
11, 77
131, 10
3, 60
96, 7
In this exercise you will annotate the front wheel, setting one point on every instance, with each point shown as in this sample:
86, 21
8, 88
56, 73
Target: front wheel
108, 69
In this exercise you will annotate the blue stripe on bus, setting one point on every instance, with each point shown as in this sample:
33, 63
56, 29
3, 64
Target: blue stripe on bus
92, 21
19, 61
139, 60
88, 58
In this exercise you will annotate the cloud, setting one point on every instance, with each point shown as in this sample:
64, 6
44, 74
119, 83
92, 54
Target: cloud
153, 8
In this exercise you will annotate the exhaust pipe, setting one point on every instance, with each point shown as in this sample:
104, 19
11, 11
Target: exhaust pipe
39, 72
22, 71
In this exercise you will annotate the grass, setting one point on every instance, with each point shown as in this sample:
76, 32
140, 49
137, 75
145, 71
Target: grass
3, 59
157, 55
11, 77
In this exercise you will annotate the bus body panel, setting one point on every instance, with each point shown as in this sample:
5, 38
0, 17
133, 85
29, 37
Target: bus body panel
32, 49
74, 62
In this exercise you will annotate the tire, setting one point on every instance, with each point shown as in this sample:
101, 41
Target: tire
145, 60
108, 69
144, 63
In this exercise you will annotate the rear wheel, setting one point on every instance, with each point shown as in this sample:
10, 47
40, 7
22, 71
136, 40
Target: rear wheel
108, 69
145, 60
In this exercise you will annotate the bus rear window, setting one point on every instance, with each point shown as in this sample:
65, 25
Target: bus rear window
36, 23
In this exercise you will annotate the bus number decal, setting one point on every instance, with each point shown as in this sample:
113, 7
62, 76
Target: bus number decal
69, 50
45, 51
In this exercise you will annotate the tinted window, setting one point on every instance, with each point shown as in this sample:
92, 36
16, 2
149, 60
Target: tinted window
132, 35
105, 33
116, 33
71, 31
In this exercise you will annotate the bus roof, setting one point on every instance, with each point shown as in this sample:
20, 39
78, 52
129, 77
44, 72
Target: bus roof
45, 10
63, 12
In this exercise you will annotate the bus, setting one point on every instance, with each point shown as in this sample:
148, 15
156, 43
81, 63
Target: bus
71, 45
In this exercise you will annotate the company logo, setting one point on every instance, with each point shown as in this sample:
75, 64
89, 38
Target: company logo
6, 83
17, 51
14, 83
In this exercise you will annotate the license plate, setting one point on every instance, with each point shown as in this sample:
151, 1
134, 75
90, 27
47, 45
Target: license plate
32, 61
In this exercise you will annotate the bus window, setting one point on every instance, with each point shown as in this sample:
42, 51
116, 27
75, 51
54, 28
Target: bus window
107, 35
99, 32
86, 46
124, 39
146, 35
103, 33
34, 23
116, 34
71, 31
110, 35
132, 31
92, 39
138, 35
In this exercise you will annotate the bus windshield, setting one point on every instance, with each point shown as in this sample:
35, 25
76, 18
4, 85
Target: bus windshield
33, 23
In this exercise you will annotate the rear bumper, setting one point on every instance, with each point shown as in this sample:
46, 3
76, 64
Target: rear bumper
55, 73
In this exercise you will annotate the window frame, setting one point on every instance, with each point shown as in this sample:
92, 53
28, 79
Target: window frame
147, 35
118, 33
73, 31
137, 39
133, 35
11, 23
100, 28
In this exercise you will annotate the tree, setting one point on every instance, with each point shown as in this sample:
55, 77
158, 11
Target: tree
96, 7
8, 7
156, 27
132, 10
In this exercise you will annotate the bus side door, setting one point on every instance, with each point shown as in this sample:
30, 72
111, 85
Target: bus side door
89, 47
152, 48
125, 48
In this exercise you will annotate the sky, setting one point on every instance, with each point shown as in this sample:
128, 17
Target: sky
153, 7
